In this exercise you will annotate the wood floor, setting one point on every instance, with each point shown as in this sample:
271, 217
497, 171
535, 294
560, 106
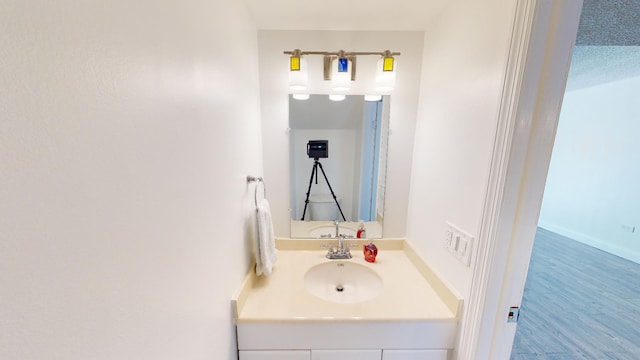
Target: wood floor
579, 303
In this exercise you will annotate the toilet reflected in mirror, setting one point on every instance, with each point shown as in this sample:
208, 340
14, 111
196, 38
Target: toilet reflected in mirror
355, 164
323, 207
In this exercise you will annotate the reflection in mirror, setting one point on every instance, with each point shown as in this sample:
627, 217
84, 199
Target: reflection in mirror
338, 161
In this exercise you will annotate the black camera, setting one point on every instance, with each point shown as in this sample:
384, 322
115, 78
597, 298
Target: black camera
318, 149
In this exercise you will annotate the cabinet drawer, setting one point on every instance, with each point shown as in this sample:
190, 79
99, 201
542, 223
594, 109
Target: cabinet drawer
346, 354
276, 355
414, 355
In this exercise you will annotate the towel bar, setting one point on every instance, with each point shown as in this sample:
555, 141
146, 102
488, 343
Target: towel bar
258, 179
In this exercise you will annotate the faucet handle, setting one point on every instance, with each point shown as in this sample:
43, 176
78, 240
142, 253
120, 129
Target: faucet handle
342, 244
328, 245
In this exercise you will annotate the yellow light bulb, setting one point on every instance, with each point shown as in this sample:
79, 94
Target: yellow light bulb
387, 64
294, 63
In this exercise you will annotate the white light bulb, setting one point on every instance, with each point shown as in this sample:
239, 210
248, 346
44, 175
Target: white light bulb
301, 96
299, 79
385, 80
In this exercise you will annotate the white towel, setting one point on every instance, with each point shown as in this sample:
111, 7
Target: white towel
265, 249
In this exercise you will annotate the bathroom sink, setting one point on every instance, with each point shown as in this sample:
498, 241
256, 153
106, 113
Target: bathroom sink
343, 282
330, 232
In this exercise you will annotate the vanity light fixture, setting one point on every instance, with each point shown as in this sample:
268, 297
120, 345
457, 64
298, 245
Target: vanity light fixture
339, 67
298, 71
341, 72
337, 97
385, 73
372, 97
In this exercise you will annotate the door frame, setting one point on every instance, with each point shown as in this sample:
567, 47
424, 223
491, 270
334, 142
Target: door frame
543, 36
369, 168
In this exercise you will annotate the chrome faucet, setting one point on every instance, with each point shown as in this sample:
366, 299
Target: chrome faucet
341, 252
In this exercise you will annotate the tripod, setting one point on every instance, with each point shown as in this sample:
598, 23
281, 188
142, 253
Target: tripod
314, 171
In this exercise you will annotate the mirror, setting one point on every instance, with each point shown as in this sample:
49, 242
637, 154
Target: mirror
338, 161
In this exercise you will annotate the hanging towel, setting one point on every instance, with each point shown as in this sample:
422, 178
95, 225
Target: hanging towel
265, 249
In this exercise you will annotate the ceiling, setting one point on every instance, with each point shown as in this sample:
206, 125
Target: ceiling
596, 65
352, 15
608, 43
607, 46
609, 23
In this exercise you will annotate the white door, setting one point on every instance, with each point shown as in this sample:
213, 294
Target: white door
346, 354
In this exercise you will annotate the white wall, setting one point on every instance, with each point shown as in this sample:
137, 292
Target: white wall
464, 61
126, 132
275, 117
592, 188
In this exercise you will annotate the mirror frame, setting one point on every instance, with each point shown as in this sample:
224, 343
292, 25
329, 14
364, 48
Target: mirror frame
325, 228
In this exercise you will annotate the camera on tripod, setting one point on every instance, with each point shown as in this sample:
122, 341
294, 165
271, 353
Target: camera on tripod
317, 149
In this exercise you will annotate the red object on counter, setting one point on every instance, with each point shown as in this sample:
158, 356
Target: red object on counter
370, 252
362, 232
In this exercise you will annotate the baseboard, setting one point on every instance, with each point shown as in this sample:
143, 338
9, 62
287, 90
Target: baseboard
591, 241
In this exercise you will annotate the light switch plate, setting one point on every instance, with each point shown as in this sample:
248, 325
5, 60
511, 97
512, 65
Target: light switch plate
459, 243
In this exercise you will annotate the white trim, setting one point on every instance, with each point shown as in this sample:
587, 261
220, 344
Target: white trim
553, 35
591, 241
543, 36
474, 340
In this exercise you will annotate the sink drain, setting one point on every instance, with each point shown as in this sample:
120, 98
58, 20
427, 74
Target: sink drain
339, 288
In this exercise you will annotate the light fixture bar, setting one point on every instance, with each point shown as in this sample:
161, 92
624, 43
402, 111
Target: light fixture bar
327, 67
347, 59
347, 53
387, 61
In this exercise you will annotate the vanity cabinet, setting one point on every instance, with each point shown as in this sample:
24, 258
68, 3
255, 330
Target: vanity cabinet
275, 355
343, 355
346, 354
279, 318
414, 354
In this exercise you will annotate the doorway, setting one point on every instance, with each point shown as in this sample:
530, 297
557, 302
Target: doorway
370, 159
502, 264
580, 299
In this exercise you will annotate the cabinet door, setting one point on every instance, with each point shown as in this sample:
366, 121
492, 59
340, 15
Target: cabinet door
414, 355
346, 354
275, 355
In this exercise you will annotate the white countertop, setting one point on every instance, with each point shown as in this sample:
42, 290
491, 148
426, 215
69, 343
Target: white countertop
411, 291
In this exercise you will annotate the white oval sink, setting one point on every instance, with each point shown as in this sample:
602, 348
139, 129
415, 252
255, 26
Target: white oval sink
343, 282
330, 232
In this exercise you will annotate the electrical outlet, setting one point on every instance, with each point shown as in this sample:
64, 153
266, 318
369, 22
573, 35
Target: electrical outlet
448, 238
628, 228
459, 243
